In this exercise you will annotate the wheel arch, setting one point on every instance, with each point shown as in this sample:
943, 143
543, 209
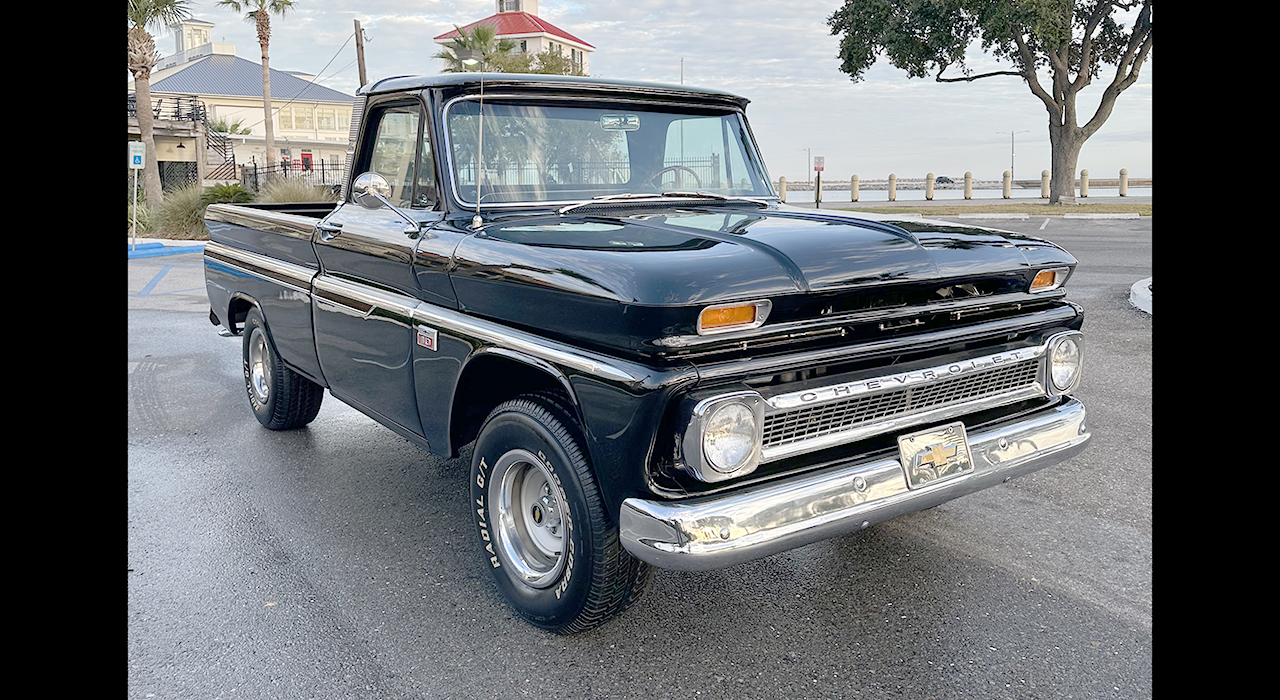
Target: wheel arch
238, 307
493, 375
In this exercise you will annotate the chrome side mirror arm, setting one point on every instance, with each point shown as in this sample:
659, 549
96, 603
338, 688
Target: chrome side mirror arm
369, 191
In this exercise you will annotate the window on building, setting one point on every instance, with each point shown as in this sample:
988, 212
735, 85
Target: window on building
285, 117
524, 46
326, 119
509, 6
302, 118
344, 120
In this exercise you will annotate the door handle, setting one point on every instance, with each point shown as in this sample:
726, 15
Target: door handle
328, 231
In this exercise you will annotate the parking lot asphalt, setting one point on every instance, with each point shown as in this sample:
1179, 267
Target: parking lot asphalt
336, 561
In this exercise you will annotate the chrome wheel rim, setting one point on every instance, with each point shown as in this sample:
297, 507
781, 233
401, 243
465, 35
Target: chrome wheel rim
259, 366
530, 520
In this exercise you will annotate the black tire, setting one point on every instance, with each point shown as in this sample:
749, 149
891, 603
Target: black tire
531, 445
280, 398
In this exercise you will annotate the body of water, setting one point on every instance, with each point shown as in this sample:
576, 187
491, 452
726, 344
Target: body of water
865, 196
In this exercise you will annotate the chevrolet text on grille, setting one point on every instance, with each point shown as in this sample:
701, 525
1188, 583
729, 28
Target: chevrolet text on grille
896, 381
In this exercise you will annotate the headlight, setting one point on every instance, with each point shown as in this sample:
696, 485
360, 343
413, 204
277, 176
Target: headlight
729, 437
1066, 359
722, 435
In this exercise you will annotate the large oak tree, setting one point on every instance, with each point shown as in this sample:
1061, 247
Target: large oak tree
1071, 39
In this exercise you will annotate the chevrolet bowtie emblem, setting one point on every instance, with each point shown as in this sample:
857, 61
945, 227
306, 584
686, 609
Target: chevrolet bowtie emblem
939, 455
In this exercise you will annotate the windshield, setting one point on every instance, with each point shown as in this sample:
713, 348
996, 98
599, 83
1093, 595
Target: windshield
536, 153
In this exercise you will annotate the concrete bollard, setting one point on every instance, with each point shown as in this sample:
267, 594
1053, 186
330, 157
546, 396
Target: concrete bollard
1124, 182
782, 188
1008, 184
893, 187
1084, 183
968, 185
853, 189
928, 186
1044, 184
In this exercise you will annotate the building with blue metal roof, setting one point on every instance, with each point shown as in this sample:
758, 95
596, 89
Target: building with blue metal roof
311, 122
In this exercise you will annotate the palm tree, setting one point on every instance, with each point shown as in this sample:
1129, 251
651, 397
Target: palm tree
482, 37
154, 14
259, 13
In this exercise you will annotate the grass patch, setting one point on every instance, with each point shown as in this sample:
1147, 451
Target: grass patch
1034, 209
181, 215
295, 189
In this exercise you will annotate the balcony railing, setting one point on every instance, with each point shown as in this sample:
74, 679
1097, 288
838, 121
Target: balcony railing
185, 108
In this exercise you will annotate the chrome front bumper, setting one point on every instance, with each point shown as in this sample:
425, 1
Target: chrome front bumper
713, 532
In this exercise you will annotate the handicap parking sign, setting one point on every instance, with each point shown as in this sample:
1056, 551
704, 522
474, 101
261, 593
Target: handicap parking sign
136, 152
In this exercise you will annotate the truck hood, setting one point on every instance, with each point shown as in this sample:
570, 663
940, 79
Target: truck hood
581, 269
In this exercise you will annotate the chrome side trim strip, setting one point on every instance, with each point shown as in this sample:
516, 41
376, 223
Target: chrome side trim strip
717, 531
530, 344
414, 310
293, 276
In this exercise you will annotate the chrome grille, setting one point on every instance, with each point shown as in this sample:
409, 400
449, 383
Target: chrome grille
795, 425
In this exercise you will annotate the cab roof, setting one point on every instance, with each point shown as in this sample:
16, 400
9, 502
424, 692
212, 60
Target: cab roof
465, 81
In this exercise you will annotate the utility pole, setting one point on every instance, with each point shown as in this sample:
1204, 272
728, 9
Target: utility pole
1011, 133
360, 53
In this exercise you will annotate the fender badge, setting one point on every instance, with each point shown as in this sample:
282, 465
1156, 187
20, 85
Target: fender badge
427, 338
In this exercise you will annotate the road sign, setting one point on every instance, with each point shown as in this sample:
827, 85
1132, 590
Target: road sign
137, 152
817, 164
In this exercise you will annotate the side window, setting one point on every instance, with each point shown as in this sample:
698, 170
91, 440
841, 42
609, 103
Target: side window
393, 151
426, 195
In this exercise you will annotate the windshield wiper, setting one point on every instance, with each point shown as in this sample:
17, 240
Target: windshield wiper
655, 195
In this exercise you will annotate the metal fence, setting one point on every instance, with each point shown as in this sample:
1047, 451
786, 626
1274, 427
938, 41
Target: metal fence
254, 176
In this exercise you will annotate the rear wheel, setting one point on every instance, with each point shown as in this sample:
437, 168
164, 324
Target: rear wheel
552, 551
281, 399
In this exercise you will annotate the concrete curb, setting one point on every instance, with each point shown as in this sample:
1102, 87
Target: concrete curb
151, 247
1130, 215
1018, 215
1140, 295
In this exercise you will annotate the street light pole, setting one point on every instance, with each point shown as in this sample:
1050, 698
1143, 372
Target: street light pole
1011, 133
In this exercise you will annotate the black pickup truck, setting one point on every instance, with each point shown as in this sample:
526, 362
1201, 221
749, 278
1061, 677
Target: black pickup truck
658, 363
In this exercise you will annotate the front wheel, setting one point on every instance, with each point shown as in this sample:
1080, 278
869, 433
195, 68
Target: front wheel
554, 555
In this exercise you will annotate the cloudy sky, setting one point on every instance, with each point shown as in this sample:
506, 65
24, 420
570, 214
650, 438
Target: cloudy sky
778, 53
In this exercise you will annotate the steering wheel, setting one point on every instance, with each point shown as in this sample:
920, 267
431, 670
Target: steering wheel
672, 168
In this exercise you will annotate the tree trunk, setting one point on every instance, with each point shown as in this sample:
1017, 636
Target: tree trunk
264, 38
266, 110
146, 125
1065, 153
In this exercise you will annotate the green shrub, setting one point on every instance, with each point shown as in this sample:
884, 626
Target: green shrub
230, 193
144, 220
181, 216
296, 189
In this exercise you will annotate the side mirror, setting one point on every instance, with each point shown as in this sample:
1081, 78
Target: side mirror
367, 187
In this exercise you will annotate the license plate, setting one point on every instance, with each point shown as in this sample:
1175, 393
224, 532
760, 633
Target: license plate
934, 455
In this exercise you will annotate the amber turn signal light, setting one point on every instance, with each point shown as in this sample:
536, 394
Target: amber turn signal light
1049, 279
732, 317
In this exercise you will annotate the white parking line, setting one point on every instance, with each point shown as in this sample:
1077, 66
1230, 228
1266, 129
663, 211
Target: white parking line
1046, 223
